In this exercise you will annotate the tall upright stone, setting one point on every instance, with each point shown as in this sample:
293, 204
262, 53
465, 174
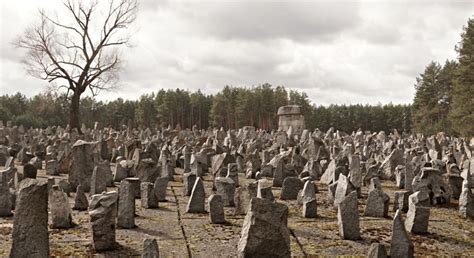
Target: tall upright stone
466, 199
233, 173
188, 183
103, 213
377, 204
161, 183
401, 200
29, 171
187, 152
409, 175
98, 180
59, 207
278, 174
242, 197
348, 217
150, 248
82, 164
147, 170
52, 167
126, 205
216, 209
355, 172
264, 190
400, 244
197, 199
30, 222
291, 187
5, 197
225, 187
148, 197
344, 187
80, 201
265, 232
418, 215
121, 171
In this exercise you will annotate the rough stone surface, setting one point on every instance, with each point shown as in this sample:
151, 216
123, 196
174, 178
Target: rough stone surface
59, 208
466, 200
103, 212
355, 172
243, 195
126, 205
232, 172
216, 209
400, 244
29, 171
348, 217
225, 187
150, 248
121, 171
264, 190
135, 184
52, 167
98, 180
188, 183
310, 208
82, 164
160, 186
265, 232
148, 197
401, 200
291, 187
417, 215
308, 192
344, 187
197, 198
80, 201
377, 250
147, 170
377, 204
5, 197
30, 223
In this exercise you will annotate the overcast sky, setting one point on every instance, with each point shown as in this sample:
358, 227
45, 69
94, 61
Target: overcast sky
335, 51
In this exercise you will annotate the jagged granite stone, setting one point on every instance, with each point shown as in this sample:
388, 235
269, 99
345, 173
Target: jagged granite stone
400, 244
348, 217
80, 201
216, 209
30, 222
265, 232
103, 213
59, 208
126, 205
150, 248
148, 197
291, 187
377, 250
377, 204
197, 199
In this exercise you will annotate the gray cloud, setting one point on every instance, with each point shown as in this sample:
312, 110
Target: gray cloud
336, 52
254, 20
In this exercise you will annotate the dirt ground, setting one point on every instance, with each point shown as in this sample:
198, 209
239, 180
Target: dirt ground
183, 235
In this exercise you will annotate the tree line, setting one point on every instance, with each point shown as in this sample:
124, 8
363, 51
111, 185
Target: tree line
444, 98
232, 107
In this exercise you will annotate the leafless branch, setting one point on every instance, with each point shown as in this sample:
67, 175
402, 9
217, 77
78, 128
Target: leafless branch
82, 50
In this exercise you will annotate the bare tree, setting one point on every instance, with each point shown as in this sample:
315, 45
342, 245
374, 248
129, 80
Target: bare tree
80, 49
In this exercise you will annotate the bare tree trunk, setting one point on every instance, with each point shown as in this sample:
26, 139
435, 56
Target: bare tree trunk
74, 113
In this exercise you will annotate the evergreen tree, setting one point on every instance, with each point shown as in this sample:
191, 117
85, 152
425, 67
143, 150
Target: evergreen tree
462, 109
